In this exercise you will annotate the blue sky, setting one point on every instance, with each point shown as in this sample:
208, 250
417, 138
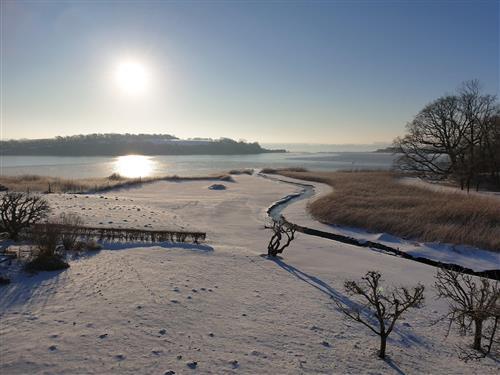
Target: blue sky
318, 72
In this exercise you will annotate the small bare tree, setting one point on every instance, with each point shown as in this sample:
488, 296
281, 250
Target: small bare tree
474, 306
46, 237
20, 210
283, 235
386, 306
70, 223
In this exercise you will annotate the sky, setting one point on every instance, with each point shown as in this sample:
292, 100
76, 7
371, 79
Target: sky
274, 71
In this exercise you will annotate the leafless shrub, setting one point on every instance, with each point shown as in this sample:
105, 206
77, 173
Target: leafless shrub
283, 235
70, 223
47, 238
474, 306
386, 306
20, 210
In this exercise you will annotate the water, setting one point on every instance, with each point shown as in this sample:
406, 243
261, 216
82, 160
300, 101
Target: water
186, 165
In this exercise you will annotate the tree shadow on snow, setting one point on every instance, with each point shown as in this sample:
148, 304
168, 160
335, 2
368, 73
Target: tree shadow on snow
25, 285
405, 337
133, 245
394, 366
165, 245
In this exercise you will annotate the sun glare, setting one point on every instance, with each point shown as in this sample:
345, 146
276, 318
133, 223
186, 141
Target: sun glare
133, 166
132, 77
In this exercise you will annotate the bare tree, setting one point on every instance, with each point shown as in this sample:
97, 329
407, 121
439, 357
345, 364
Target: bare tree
434, 139
474, 303
283, 235
477, 111
453, 136
20, 210
386, 306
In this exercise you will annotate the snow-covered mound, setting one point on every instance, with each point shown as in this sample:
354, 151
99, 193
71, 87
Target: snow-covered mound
217, 187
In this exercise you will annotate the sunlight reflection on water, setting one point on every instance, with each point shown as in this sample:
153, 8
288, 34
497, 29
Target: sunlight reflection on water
134, 166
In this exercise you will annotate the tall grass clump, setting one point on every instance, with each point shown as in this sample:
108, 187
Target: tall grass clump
378, 201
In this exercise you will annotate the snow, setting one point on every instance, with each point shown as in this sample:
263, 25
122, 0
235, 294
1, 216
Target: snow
214, 308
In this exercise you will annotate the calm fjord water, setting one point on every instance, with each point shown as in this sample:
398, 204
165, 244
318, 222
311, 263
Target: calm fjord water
186, 165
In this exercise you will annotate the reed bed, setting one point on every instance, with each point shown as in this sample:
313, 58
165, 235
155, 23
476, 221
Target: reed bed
46, 184
378, 201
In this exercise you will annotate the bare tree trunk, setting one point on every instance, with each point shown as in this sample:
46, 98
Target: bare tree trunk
478, 334
383, 344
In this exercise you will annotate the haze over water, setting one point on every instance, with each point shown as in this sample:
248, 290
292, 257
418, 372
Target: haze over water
186, 165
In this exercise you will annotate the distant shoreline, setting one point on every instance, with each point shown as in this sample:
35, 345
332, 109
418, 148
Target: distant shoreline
126, 144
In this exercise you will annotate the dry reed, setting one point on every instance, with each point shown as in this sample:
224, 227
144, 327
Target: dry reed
35, 183
377, 201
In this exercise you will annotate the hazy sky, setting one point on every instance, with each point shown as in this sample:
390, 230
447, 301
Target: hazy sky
319, 72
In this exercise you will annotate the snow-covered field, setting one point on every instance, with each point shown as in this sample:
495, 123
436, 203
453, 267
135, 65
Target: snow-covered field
142, 309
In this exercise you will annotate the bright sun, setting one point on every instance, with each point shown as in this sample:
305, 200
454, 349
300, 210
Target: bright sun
132, 77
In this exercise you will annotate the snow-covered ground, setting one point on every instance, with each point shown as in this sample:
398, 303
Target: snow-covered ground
142, 309
466, 256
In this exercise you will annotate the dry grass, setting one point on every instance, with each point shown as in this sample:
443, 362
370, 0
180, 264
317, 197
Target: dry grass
35, 183
377, 201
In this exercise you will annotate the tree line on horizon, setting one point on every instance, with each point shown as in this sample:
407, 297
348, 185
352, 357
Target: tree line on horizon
457, 137
119, 144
